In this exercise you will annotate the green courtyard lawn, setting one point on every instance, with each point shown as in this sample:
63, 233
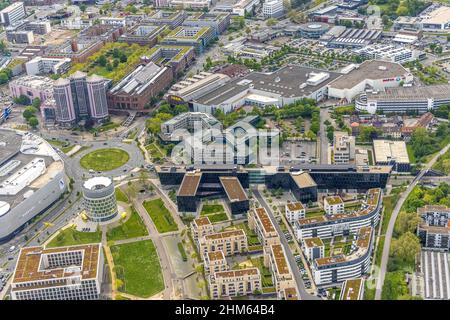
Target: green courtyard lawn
70, 237
217, 217
137, 268
266, 275
107, 126
162, 218
252, 238
119, 59
211, 208
104, 159
121, 196
132, 228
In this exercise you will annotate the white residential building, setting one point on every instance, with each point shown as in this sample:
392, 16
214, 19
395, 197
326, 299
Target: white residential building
294, 211
313, 248
333, 205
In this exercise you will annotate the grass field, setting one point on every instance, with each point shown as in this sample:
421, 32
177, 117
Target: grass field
70, 237
104, 159
266, 275
138, 269
134, 227
218, 217
121, 196
252, 238
161, 217
211, 208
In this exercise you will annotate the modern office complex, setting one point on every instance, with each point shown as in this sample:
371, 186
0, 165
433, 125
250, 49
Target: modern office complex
32, 87
142, 34
338, 268
80, 97
135, 90
375, 74
64, 273
313, 30
178, 58
330, 225
12, 14
343, 148
197, 37
40, 65
434, 228
388, 52
32, 178
172, 19
99, 199
20, 37
218, 21
392, 153
273, 8
404, 99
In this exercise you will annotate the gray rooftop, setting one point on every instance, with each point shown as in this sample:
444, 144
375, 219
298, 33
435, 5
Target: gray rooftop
441, 91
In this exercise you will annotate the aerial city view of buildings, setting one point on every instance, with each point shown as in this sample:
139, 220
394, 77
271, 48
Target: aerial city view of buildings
230, 149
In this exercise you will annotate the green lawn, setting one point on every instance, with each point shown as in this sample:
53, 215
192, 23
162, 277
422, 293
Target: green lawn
211, 208
70, 237
411, 156
137, 267
134, 227
218, 217
252, 238
161, 217
121, 196
315, 213
370, 156
104, 159
108, 126
266, 275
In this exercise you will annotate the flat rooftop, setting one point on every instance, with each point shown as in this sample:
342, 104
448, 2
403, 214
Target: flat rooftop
280, 259
203, 221
303, 180
332, 200
30, 266
387, 150
288, 82
189, 185
237, 273
352, 289
370, 69
226, 234
313, 242
216, 255
263, 217
440, 15
440, 91
295, 206
233, 188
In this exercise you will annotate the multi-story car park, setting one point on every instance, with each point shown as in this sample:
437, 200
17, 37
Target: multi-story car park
328, 226
64, 273
335, 269
32, 178
434, 228
404, 99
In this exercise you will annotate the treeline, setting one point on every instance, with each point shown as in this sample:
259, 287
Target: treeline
424, 143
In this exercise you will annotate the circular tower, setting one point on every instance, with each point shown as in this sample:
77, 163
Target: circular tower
99, 199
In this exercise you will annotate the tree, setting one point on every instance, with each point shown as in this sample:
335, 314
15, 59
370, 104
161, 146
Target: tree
22, 99
406, 222
406, 248
36, 103
83, 7
102, 60
29, 112
33, 122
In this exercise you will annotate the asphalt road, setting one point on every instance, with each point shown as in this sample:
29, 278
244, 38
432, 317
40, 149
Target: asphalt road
390, 229
304, 295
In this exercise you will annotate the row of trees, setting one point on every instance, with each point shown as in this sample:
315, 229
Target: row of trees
424, 143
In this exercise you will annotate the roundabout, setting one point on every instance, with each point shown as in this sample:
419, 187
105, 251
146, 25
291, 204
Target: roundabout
106, 159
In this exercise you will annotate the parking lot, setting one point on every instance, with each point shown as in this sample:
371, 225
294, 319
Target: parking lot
435, 268
298, 152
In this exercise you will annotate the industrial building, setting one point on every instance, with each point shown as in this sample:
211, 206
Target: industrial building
374, 74
64, 273
32, 178
392, 153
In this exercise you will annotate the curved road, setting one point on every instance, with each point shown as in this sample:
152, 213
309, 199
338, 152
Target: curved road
395, 212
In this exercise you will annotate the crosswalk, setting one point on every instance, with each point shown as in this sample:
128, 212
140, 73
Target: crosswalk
436, 271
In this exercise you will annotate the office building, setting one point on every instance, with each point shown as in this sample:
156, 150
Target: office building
343, 148
343, 224
313, 30
404, 99
99, 199
135, 90
235, 283
260, 222
32, 87
20, 37
392, 153
178, 58
143, 34
294, 211
229, 242
40, 65
32, 178
436, 20
333, 205
374, 74
12, 14
64, 273
434, 228
388, 52
236, 198
190, 4
341, 267
273, 8
218, 21
197, 37
172, 19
